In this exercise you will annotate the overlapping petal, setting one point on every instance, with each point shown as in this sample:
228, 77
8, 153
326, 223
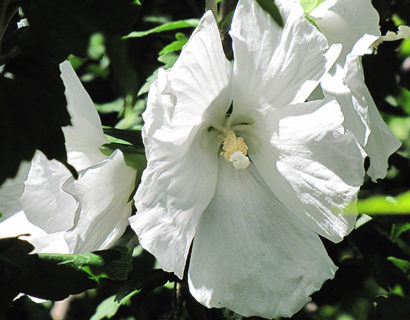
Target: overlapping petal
310, 163
102, 191
18, 225
85, 136
11, 191
184, 105
339, 22
96, 208
273, 66
249, 253
45, 203
353, 23
381, 142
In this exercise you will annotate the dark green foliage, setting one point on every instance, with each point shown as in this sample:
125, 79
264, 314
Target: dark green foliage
55, 276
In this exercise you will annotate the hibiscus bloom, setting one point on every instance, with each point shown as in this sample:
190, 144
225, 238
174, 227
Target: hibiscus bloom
251, 185
355, 24
67, 215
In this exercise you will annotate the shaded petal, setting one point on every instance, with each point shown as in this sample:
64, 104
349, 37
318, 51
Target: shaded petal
311, 164
354, 111
85, 136
353, 23
249, 253
381, 142
45, 203
357, 104
11, 191
102, 191
273, 66
180, 178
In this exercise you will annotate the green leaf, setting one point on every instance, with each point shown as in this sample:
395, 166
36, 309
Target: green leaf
270, 7
385, 204
109, 307
55, 276
398, 230
131, 136
177, 45
111, 107
403, 265
96, 47
133, 157
309, 5
144, 282
180, 24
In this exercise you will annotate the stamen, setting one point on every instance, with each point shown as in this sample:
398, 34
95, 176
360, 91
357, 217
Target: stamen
235, 151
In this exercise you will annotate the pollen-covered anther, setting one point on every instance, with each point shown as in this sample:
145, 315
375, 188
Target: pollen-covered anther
235, 151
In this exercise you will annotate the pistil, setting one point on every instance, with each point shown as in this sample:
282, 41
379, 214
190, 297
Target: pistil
235, 150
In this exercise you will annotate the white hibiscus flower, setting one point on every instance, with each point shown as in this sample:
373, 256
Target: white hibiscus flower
355, 24
67, 215
248, 187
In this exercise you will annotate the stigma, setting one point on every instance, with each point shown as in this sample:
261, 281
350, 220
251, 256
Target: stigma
235, 150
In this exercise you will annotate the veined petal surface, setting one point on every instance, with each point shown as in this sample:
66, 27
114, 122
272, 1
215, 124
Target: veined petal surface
273, 66
45, 203
249, 253
184, 104
310, 163
85, 136
11, 191
102, 191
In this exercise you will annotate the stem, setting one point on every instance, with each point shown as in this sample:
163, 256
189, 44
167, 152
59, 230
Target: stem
211, 5
227, 6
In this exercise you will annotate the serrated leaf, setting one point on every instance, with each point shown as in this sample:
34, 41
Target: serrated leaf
174, 25
270, 7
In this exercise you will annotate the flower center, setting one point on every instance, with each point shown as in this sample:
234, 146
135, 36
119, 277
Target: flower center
235, 150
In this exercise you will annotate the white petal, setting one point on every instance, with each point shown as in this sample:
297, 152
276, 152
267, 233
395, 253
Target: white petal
11, 191
42, 242
381, 142
45, 203
85, 136
273, 66
353, 23
309, 162
102, 191
250, 255
180, 178
354, 111
17, 225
